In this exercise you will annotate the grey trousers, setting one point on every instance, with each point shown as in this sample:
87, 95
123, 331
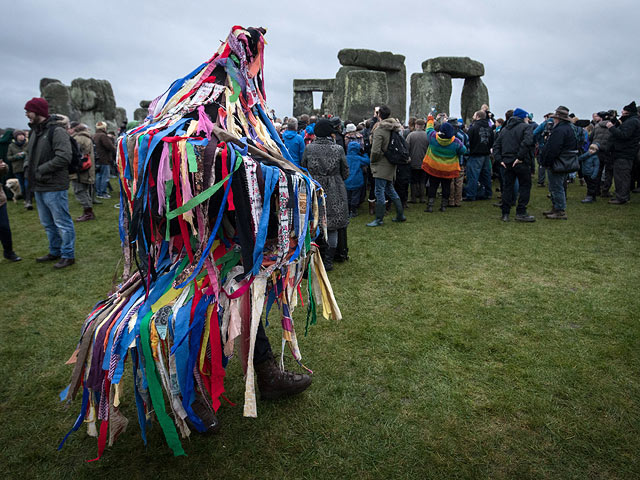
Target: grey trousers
82, 191
622, 178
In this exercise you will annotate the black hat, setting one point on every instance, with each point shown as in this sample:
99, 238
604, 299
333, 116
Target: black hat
631, 108
323, 128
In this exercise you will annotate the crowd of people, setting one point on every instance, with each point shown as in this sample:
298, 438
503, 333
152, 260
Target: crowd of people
462, 162
353, 164
37, 167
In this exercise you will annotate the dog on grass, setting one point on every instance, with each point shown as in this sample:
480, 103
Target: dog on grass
14, 185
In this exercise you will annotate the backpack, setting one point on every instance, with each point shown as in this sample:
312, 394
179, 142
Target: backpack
397, 151
79, 162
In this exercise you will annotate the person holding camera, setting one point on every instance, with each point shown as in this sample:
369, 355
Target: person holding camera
601, 137
625, 139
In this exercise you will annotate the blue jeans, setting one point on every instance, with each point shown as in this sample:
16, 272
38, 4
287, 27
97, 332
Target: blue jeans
385, 187
102, 178
556, 189
53, 209
478, 169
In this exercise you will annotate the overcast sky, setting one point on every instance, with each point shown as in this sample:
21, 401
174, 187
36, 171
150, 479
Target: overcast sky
537, 54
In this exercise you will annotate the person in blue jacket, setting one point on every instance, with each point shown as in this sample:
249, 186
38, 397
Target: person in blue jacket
589, 166
355, 181
293, 141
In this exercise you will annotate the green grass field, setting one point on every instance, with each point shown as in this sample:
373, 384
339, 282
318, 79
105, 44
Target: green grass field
469, 348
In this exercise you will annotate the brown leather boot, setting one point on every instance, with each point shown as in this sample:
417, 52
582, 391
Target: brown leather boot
275, 383
558, 215
87, 215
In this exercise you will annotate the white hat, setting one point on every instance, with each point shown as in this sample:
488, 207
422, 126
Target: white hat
351, 128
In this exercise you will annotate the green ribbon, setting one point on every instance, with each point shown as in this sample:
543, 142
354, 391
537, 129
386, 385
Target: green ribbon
155, 389
311, 309
201, 197
191, 156
229, 260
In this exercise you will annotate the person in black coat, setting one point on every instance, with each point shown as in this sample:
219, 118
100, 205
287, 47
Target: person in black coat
626, 141
562, 139
481, 140
512, 150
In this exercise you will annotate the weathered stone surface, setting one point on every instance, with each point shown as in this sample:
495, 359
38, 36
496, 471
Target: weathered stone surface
46, 81
474, 95
429, 90
397, 87
139, 114
370, 59
328, 104
59, 99
364, 89
302, 103
86, 100
339, 89
313, 85
145, 103
457, 67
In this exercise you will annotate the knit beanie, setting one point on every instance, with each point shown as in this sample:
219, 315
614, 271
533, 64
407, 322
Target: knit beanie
37, 105
520, 113
351, 128
631, 108
446, 130
18, 132
323, 128
101, 126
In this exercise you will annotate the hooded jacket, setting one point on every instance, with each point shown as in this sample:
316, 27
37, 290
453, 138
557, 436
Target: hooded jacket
356, 161
442, 159
48, 165
480, 138
602, 136
380, 166
295, 144
625, 138
514, 142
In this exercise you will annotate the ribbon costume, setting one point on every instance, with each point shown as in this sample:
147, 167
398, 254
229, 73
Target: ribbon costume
216, 226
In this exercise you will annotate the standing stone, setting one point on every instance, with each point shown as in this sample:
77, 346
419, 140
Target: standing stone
363, 90
397, 86
429, 90
59, 99
474, 95
457, 67
340, 88
302, 103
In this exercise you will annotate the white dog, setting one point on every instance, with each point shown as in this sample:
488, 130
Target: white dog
14, 185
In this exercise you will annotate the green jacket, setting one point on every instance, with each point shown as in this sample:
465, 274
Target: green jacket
17, 156
85, 142
48, 166
380, 166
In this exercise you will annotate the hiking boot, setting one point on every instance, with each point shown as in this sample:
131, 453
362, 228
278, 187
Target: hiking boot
49, 257
557, 215
588, 199
12, 257
615, 201
430, 203
546, 213
275, 383
87, 215
399, 211
64, 262
443, 205
525, 217
206, 414
327, 258
505, 217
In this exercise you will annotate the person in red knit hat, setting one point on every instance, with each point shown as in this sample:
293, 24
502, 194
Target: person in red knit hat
48, 176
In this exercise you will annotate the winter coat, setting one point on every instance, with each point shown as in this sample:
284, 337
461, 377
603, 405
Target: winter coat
48, 165
17, 155
295, 144
418, 143
85, 142
480, 138
602, 136
514, 142
105, 149
327, 164
380, 166
442, 159
589, 165
356, 161
562, 139
626, 137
